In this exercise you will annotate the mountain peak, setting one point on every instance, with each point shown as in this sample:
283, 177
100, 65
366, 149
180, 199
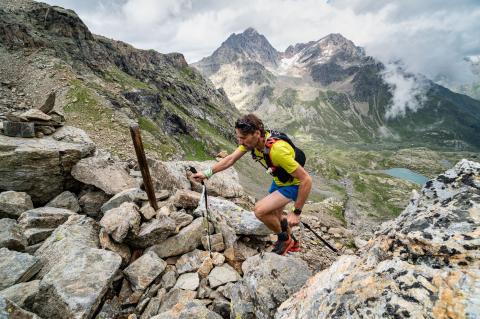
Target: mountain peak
251, 32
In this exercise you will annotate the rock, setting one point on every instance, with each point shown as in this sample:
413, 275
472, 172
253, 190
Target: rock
231, 219
148, 212
11, 235
23, 294
221, 275
188, 281
10, 310
119, 221
143, 271
174, 297
152, 308
359, 243
218, 259
242, 305
191, 261
152, 232
187, 199
169, 278
226, 290
191, 310
186, 240
13, 204
181, 218
44, 217
222, 307
122, 250
92, 201
44, 130
271, 279
36, 235
216, 240
16, 267
34, 114
41, 167
110, 176
65, 200
76, 284
49, 103
77, 233
128, 195
422, 264
18, 129
205, 267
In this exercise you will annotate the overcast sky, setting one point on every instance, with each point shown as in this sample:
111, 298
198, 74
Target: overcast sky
428, 36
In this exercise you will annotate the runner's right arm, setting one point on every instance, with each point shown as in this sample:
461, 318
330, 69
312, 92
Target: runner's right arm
223, 164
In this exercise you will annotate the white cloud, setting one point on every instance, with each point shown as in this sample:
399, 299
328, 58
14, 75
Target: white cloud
431, 37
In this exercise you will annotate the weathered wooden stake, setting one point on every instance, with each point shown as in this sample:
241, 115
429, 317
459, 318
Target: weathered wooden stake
142, 162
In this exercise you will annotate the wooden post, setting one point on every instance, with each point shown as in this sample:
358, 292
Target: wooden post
142, 162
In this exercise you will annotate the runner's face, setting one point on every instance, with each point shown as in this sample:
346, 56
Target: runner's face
248, 140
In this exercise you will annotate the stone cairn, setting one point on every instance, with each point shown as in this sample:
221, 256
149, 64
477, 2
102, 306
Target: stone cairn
35, 122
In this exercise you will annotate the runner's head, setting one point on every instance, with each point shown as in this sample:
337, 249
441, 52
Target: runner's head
249, 128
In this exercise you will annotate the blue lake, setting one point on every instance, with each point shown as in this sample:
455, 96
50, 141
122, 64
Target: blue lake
406, 174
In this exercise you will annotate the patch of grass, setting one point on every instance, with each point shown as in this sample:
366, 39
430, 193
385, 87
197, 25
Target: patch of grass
126, 81
194, 149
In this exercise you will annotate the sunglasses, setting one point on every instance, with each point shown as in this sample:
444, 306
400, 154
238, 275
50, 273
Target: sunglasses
244, 125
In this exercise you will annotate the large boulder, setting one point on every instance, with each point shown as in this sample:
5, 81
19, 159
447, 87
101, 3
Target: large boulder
66, 200
77, 233
16, 267
13, 204
173, 175
41, 167
143, 271
423, 264
44, 217
118, 222
104, 172
152, 232
23, 294
76, 284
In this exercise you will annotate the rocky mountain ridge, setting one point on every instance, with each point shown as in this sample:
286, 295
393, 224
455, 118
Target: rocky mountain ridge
97, 249
330, 91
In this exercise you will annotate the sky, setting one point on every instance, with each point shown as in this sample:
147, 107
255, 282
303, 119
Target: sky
430, 37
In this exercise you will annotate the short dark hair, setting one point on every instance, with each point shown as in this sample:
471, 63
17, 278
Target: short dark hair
249, 123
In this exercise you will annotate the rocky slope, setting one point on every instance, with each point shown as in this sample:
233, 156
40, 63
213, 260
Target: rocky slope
104, 85
330, 91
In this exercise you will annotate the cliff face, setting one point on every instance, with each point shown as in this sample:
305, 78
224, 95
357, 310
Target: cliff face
175, 103
423, 264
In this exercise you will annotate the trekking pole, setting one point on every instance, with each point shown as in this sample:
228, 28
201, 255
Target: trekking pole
205, 215
323, 240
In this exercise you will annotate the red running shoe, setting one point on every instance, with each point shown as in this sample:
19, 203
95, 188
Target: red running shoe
283, 246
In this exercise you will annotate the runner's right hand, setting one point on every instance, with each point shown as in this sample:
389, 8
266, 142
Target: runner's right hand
199, 177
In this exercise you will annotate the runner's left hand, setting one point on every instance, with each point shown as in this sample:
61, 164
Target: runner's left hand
293, 219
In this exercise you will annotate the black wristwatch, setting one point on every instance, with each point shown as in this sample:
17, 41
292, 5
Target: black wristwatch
297, 211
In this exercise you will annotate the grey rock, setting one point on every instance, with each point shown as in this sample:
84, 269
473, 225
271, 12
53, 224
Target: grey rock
222, 307
148, 212
49, 103
176, 296
34, 114
77, 233
44, 217
16, 267
122, 250
152, 308
215, 240
181, 218
169, 278
242, 305
23, 294
143, 271
110, 176
191, 261
18, 129
152, 232
10, 310
92, 201
66, 200
36, 235
221, 275
192, 310
11, 235
185, 198
186, 240
128, 195
271, 279
41, 167
13, 204
44, 129
413, 266
188, 281
76, 284
119, 221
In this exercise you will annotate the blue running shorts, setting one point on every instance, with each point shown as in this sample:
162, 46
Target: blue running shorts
287, 191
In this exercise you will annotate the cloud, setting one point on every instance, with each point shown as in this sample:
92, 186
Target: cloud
431, 37
408, 90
